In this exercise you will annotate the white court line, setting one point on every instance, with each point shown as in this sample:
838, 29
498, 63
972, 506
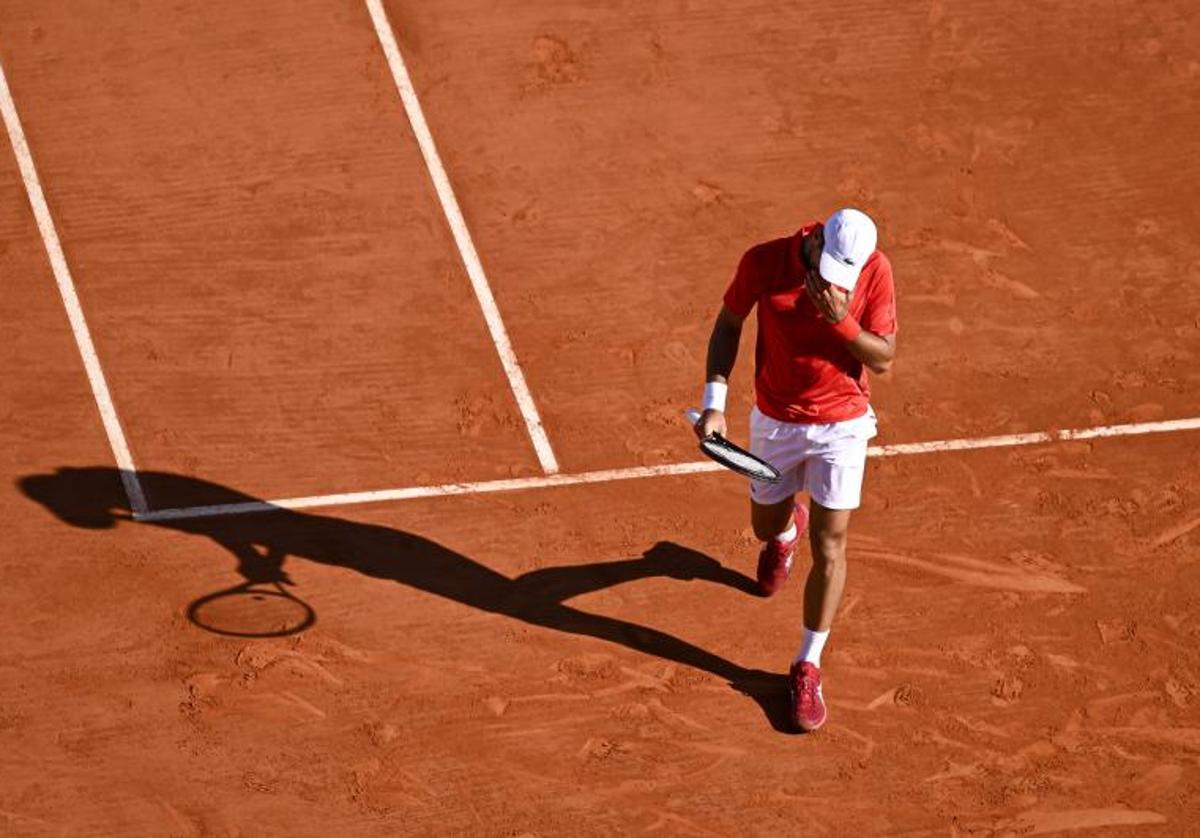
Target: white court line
66, 288
484, 487
462, 237
639, 472
1034, 438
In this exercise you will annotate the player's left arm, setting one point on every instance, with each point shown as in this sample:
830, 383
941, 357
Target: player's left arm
875, 351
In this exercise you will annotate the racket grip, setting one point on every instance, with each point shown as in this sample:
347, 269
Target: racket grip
692, 415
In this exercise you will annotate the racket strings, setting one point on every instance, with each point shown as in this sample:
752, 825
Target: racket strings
743, 461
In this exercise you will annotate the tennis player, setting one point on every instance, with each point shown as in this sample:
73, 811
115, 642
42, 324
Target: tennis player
826, 314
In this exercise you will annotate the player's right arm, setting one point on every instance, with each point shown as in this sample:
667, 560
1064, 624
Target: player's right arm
740, 297
722, 354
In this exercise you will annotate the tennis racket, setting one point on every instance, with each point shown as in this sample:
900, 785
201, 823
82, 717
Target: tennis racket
734, 458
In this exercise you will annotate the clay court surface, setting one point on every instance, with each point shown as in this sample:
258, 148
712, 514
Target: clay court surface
280, 310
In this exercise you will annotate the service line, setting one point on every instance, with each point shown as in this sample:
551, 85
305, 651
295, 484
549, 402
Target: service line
66, 288
462, 237
640, 472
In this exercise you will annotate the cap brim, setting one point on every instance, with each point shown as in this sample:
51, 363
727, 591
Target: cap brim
837, 273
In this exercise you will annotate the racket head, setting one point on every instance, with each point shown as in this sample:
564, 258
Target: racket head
738, 459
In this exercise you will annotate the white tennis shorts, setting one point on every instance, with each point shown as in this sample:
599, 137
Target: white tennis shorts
827, 461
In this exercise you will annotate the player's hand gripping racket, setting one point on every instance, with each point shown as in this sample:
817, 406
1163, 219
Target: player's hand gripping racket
734, 458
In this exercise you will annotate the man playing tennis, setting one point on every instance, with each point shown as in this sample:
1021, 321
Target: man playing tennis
826, 314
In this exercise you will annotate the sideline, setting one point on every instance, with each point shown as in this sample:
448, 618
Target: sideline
66, 288
462, 237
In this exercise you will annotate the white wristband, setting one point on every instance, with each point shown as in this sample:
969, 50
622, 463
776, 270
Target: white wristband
714, 396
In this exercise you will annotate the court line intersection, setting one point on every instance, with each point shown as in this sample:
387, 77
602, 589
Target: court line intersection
552, 478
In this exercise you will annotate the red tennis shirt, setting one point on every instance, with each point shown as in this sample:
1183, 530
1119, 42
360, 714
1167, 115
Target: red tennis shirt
802, 370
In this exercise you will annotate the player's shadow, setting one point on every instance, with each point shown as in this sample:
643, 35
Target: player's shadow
93, 498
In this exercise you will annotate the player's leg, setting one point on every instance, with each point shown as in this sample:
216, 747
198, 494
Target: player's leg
833, 476
772, 519
827, 531
778, 525
773, 513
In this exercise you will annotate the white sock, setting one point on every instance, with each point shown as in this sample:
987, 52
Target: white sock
810, 648
787, 535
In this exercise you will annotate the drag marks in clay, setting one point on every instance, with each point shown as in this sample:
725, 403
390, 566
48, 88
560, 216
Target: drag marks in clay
977, 572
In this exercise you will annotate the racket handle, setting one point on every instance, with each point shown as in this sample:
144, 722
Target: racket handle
693, 416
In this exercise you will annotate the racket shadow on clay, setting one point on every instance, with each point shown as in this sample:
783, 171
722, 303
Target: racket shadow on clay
261, 605
252, 609
93, 498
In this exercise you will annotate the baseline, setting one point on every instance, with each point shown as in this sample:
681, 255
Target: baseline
641, 472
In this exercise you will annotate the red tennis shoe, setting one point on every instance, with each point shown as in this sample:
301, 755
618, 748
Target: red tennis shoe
808, 704
775, 557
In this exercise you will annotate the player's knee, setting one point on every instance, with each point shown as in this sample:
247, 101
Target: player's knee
828, 546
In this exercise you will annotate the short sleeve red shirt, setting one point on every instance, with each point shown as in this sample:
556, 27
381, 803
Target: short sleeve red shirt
802, 370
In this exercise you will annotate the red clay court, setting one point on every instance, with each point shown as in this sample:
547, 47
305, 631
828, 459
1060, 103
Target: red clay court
436, 281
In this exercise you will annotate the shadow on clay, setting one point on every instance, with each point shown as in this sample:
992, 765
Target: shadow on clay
93, 498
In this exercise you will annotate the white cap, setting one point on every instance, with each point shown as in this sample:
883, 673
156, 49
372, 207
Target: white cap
850, 239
